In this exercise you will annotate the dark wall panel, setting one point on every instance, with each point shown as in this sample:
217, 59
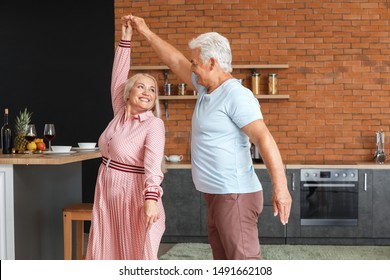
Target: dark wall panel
55, 59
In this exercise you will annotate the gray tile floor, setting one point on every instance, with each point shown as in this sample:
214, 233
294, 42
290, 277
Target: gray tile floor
164, 247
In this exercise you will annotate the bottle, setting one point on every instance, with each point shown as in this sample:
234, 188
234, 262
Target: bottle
167, 85
272, 84
6, 135
255, 83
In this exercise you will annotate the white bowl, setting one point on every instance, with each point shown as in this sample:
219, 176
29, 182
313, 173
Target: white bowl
87, 145
61, 149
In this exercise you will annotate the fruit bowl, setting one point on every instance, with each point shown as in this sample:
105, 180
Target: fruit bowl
87, 145
61, 149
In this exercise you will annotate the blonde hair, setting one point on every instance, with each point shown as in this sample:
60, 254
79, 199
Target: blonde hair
129, 85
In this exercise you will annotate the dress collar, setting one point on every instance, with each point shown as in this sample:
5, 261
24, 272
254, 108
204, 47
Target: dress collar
142, 116
145, 115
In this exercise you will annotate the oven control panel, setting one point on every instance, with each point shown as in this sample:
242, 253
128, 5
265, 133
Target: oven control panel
329, 175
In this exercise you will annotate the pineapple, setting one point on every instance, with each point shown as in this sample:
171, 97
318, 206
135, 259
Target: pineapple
21, 121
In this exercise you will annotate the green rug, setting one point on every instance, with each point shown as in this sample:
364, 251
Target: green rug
201, 251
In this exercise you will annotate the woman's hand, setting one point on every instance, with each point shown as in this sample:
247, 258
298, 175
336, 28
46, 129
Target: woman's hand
152, 212
127, 29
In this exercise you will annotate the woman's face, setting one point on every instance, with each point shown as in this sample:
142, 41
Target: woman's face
142, 95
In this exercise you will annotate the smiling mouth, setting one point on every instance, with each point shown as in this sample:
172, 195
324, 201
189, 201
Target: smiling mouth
143, 99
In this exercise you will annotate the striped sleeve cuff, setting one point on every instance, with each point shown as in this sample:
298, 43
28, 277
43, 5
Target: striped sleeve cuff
152, 196
125, 44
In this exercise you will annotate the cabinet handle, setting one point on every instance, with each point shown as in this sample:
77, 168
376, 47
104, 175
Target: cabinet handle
293, 181
365, 182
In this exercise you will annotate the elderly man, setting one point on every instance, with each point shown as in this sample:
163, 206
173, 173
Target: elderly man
226, 119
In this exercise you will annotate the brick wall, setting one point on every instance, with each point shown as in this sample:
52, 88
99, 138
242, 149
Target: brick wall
338, 77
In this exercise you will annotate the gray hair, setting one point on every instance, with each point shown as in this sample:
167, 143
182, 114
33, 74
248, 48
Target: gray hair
213, 45
129, 85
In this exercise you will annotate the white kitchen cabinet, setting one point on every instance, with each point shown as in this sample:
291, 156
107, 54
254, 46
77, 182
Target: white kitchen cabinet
7, 240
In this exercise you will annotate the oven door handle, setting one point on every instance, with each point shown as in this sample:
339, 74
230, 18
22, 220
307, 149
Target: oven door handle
365, 182
324, 185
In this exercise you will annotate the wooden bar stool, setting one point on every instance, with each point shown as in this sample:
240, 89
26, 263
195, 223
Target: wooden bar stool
78, 212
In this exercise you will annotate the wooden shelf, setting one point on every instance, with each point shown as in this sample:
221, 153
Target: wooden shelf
261, 66
187, 97
165, 98
245, 66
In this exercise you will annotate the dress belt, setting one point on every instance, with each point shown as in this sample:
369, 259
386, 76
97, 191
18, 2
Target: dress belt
109, 163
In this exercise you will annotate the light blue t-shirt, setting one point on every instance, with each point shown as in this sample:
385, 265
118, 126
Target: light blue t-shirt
220, 150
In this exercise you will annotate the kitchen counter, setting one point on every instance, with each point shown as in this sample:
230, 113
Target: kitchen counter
187, 165
44, 159
34, 188
190, 223
178, 165
357, 165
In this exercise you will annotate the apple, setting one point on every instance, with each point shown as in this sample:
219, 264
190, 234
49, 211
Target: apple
41, 146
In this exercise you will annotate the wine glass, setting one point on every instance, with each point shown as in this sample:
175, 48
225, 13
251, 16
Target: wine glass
31, 133
49, 133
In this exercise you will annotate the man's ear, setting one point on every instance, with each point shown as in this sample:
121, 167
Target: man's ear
212, 63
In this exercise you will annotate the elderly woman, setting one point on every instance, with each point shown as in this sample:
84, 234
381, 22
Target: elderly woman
128, 217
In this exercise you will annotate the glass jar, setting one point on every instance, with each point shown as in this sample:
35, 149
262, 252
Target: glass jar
272, 84
167, 89
181, 89
255, 83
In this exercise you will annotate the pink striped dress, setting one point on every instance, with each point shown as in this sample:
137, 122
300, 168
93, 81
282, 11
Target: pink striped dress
118, 230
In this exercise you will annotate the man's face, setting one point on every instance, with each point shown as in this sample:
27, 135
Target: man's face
201, 70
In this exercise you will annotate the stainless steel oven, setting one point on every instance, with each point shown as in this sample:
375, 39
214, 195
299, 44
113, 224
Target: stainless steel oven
329, 197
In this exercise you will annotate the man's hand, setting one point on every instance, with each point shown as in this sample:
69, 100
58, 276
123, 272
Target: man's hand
281, 201
139, 24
